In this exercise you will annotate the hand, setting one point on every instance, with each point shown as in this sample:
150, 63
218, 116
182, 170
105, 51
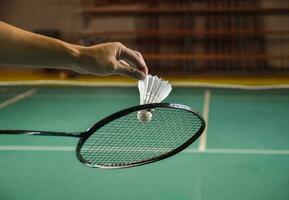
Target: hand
111, 58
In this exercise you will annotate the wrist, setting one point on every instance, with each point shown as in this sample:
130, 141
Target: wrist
80, 58
74, 56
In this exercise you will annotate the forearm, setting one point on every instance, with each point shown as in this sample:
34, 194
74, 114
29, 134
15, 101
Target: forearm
26, 49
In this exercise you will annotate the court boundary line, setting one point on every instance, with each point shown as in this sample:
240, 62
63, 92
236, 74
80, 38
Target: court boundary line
207, 151
241, 151
128, 84
206, 112
18, 97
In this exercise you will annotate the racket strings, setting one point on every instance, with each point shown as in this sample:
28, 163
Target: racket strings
126, 140
116, 146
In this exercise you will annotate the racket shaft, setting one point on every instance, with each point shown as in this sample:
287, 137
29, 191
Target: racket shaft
41, 133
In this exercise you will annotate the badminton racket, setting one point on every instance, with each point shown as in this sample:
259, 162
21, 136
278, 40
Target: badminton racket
121, 140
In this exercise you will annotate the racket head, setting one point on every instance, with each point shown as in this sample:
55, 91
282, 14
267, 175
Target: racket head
106, 145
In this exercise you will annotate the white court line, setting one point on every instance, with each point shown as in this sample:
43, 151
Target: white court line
18, 98
207, 151
206, 111
241, 151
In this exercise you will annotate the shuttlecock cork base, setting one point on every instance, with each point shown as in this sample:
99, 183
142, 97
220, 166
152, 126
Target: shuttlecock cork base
144, 116
152, 90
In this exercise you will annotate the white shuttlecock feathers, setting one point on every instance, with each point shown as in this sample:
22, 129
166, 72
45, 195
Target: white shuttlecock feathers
152, 90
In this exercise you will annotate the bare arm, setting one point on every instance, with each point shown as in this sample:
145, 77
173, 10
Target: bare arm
25, 49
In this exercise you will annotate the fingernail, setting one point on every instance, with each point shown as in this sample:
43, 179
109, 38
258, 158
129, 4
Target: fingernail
142, 76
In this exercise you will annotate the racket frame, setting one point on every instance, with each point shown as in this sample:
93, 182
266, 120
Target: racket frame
93, 129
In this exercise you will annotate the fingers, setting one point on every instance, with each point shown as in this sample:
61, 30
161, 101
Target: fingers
124, 68
134, 58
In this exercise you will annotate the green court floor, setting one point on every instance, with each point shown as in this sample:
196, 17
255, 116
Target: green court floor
243, 155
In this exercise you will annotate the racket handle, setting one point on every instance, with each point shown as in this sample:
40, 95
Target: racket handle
41, 133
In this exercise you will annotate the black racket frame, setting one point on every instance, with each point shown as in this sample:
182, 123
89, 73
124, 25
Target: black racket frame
121, 113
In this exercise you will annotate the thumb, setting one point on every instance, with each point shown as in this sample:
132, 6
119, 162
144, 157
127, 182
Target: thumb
123, 68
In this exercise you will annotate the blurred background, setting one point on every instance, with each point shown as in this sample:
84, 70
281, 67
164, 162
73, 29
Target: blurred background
232, 56
176, 37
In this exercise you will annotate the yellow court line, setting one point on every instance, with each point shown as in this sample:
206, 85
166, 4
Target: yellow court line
134, 84
38, 75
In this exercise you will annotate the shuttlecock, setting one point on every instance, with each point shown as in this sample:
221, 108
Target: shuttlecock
144, 116
152, 90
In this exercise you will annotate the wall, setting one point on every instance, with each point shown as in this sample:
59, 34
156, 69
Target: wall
34, 15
